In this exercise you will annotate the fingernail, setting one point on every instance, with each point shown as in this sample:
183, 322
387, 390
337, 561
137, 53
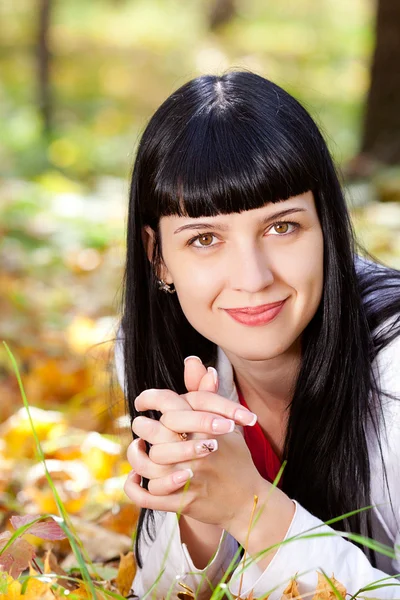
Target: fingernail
223, 425
196, 357
182, 476
206, 446
245, 417
214, 374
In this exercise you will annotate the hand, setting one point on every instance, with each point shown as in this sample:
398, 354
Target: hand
163, 434
214, 485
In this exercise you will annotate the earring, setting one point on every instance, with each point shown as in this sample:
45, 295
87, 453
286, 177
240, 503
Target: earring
166, 287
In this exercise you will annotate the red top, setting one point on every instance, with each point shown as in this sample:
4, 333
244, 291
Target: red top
265, 459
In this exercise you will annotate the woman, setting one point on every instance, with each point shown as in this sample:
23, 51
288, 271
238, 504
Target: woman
240, 253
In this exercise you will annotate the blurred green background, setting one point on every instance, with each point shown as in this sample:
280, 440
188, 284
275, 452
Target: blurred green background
75, 95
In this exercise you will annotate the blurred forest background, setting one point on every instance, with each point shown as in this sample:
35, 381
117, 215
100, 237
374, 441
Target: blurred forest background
79, 79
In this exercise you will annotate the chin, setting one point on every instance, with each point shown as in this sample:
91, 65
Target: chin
260, 354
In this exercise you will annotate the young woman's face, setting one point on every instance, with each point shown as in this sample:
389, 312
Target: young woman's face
247, 259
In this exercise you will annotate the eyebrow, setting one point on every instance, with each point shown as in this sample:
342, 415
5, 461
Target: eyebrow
223, 227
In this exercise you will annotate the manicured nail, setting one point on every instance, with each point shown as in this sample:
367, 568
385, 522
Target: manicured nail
182, 476
214, 374
206, 446
196, 357
223, 425
245, 417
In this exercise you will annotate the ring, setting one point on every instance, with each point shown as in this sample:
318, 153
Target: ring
183, 436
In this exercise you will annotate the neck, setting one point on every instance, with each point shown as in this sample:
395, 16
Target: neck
267, 383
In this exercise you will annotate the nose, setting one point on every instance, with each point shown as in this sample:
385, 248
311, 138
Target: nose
250, 270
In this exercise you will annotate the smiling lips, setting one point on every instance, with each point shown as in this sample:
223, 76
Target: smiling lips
256, 315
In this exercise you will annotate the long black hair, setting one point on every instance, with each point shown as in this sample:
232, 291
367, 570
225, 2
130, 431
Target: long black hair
223, 144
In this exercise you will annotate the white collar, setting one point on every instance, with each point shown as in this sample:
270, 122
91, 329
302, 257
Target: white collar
227, 387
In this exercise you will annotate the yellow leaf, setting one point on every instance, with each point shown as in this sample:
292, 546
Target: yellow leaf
36, 589
82, 592
324, 590
13, 588
291, 591
126, 573
51, 566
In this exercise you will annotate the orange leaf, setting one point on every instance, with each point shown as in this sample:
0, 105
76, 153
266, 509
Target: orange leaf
36, 589
291, 591
126, 573
324, 590
82, 592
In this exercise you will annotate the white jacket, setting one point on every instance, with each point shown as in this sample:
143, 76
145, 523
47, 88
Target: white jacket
332, 554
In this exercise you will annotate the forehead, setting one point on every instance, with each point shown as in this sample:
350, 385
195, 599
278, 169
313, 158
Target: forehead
303, 202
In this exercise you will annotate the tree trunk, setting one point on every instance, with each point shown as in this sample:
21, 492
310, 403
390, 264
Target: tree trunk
43, 55
381, 137
221, 12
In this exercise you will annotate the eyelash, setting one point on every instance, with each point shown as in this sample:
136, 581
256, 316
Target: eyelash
196, 237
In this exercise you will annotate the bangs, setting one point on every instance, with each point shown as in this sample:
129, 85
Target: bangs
222, 163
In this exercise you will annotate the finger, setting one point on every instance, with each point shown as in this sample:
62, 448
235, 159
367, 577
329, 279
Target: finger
143, 498
153, 431
169, 454
142, 464
135, 477
209, 382
164, 486
196, 422
214, 403
161, 400
194, 371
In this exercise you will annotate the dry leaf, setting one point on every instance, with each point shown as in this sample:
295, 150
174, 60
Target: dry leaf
99, 543
121, 518
51, 566
325, 592
17, 556
47, 529
12, 587
36, 589
291, 591
82, 592
126, 573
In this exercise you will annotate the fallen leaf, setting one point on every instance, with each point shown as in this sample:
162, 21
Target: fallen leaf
17, 557
47, 529
126, 573
99, 543
324, 590
37, 589
51, 566
291, 591
11, 587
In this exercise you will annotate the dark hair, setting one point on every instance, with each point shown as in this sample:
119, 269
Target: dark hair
232, 143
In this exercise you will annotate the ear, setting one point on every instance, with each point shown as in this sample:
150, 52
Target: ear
149, 239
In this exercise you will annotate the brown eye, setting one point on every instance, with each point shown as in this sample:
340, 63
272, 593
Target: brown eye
281, 227
205, 239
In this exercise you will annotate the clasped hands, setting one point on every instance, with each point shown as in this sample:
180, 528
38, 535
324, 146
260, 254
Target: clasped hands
215, 457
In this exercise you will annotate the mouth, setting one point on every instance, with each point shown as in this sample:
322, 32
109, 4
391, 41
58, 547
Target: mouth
256, 315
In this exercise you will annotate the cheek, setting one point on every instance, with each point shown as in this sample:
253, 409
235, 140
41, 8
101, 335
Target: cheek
307, 275
197, 289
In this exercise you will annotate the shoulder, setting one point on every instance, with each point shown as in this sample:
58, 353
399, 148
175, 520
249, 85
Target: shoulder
386, 364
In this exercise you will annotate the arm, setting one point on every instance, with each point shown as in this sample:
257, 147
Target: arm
167, 558
201, 540
333, 555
